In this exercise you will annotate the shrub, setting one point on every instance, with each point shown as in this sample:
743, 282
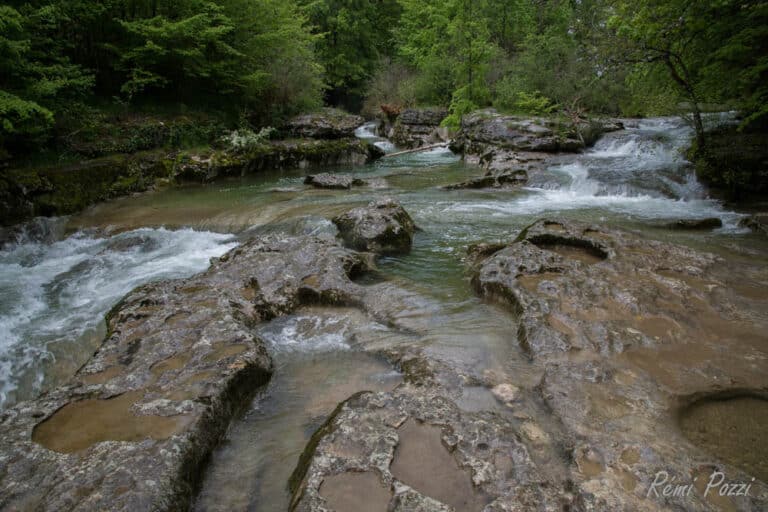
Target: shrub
245, 140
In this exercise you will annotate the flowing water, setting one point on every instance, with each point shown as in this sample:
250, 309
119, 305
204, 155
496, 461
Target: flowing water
54, 295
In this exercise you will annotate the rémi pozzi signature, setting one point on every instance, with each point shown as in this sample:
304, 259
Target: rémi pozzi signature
665, 486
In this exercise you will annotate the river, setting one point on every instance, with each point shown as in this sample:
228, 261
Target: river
55, 292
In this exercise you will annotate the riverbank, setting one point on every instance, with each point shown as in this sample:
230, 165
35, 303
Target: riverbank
313, 141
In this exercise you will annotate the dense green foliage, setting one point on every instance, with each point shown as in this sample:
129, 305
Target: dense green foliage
57, 57
709, 51
72, 66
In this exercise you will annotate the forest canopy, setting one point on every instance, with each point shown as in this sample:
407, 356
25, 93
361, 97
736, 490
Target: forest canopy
259, 61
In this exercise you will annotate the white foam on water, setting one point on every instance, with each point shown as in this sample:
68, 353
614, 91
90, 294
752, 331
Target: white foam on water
307, 333
56, 292
640, 172
317, 330
367, 132
640, 207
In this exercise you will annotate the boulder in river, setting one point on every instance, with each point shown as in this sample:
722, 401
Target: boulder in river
381, 227
333, 181
327, 123
695, 224
757, 222
504, 179
487, 128
133, 428
415, 127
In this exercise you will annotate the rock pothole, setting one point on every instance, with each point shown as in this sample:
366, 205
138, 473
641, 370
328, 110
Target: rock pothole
355, 491
423, 463
577, 249
81, 424
734, 429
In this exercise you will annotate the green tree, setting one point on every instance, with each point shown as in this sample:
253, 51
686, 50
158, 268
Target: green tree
354, 34
278, 73
166, 53
450, 44
711, 51
36, 79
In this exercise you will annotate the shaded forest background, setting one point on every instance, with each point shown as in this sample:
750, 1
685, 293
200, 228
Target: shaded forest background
70, 67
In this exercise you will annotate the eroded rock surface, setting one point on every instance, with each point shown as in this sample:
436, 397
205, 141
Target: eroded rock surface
483, 129
327, 123
629, 333
413, 128
133, 427
428, 454
381, 227
651, 365
333, 181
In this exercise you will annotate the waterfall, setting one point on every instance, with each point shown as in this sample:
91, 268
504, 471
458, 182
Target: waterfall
367, 132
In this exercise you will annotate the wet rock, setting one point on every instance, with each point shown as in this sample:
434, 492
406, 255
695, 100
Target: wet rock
503, 179
485, 129
757, 222
479, 182
333, 181
434, 456
505, 168
695, 224
125, 243
626, 334
381, 227
636, 338
133, 427
327, 123
57, 191
281, 154
62, 190
414, 128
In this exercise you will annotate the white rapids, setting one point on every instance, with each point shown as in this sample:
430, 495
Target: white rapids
53, 294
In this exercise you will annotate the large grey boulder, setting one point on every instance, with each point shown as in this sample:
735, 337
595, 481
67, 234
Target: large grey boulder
327, 123
381, 227
333, 181
486, 129
416, 127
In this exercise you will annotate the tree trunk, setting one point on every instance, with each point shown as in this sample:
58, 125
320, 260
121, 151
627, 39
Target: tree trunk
684, 81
